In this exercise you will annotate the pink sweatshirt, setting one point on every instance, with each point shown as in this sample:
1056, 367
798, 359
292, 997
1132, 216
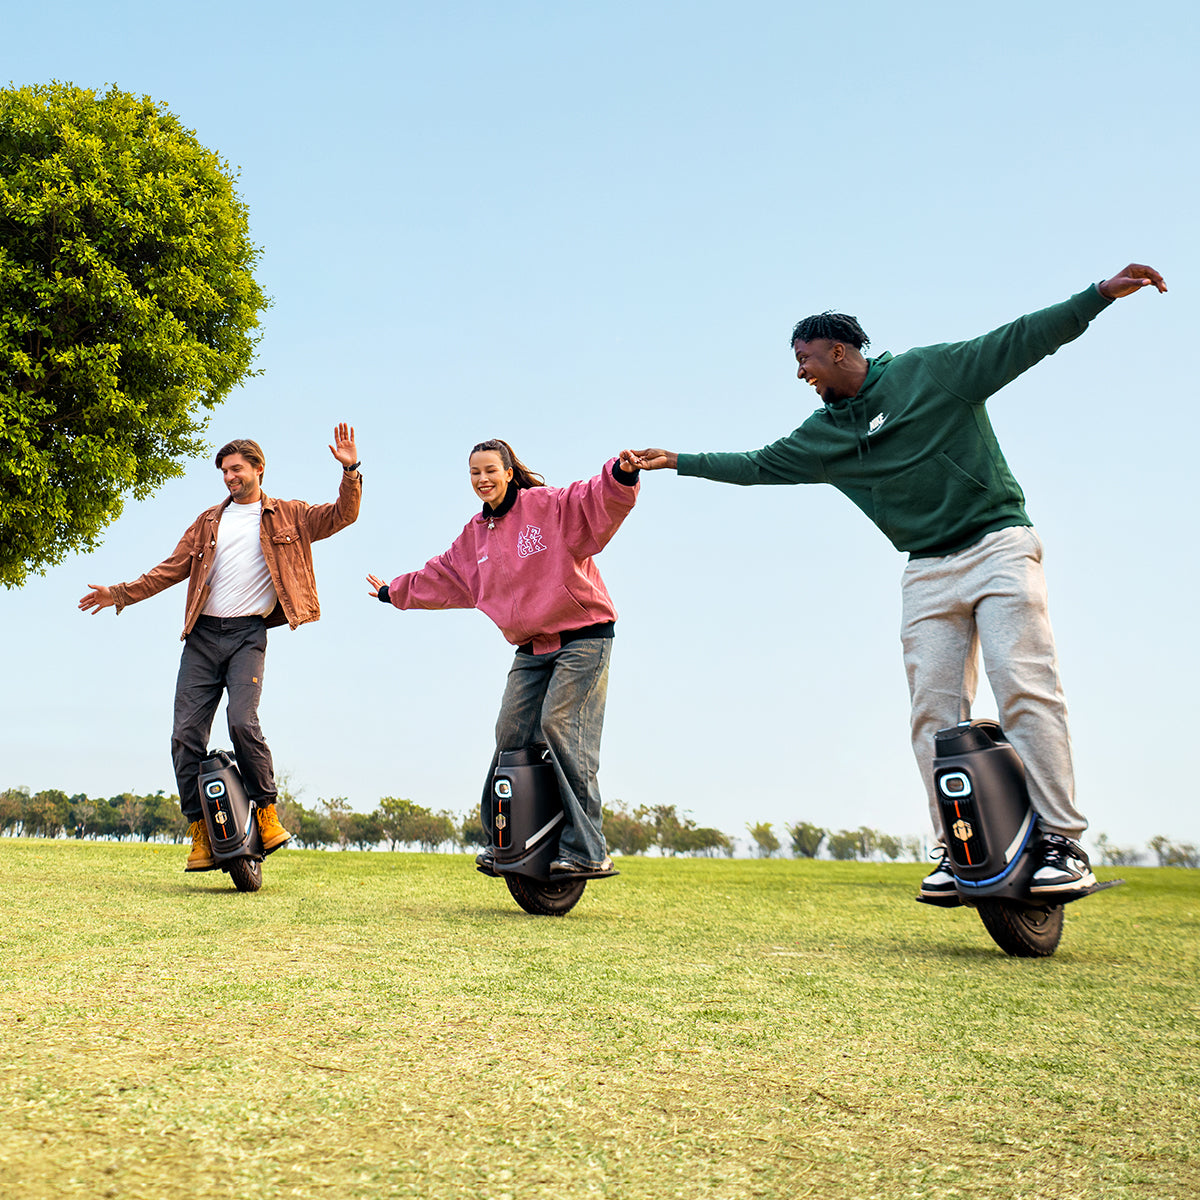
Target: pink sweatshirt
530, 570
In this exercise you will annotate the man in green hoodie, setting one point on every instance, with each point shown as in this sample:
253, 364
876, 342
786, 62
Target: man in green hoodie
907, 438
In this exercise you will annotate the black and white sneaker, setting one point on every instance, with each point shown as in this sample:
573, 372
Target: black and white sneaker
939, 883
1065, 867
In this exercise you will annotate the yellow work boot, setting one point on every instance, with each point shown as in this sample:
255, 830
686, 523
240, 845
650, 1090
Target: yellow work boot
201, 857
272, 833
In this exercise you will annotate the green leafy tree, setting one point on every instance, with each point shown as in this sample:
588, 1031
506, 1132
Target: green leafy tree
133, 812
868, 841
890, 847
1174, 854
83, 814
338, 813
432, 830
398, 820
806, 838
160, 817
12, 810
363, 830
127, 307
703, 840
765, 838
470, 829
669, 827
626, 831
1186, 855
844, 845
311, 830
46, 813
107, 820
1115, 856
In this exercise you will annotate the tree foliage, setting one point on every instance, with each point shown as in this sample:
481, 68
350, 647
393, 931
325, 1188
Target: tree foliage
1112, 855
127, 307
764, 837
806, 838
626, 832
1174, 854
844, 845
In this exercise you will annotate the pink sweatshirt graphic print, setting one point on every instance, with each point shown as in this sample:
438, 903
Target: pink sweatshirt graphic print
530, 570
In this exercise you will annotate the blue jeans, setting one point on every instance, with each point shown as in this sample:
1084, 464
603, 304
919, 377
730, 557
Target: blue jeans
558, 698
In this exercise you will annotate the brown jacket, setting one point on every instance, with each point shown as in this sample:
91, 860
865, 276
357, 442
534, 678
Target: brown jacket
288, 529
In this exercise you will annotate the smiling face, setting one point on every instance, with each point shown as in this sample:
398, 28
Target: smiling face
818, 362
489, 477
242, 478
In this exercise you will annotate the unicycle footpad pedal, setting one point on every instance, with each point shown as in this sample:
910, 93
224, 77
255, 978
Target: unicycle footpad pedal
1067, 897
567, 876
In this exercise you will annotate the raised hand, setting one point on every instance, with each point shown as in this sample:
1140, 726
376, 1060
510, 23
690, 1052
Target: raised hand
376, 583
1131, 279
344, 449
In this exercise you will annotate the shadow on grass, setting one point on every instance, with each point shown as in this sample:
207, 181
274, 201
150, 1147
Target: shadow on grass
511, 911
195, 888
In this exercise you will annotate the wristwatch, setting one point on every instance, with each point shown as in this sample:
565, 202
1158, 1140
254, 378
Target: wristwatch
352, 467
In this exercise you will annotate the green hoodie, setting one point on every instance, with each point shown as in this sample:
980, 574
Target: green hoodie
914, 449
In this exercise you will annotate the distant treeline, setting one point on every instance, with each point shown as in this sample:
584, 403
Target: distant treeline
398, 823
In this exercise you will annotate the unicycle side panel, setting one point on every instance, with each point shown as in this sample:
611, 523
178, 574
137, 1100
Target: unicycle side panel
526, 812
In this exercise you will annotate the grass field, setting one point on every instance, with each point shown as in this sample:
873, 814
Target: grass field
392, 1025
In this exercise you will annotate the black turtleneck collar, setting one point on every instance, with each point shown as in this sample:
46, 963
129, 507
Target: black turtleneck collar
510, 498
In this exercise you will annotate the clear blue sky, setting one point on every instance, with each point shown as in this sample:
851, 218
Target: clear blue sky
582, 227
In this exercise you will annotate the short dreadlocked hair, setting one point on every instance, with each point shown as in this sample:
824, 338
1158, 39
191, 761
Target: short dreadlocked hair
831, 326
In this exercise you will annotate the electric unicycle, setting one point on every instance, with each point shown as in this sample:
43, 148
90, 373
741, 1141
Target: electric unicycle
526, 817
991, 832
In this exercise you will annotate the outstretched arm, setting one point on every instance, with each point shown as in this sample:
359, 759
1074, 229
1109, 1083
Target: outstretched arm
648, 460
99, 597
377, 585
1131, 279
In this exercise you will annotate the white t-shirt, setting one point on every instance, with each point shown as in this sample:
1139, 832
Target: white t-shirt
239, 581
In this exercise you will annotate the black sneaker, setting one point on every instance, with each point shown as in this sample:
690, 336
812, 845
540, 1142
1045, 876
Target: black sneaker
1065, 867
486, 862
939, 883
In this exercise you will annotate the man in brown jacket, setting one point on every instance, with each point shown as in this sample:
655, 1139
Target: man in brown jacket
248, 563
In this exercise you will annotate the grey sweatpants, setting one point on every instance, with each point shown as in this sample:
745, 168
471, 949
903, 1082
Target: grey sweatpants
991, 596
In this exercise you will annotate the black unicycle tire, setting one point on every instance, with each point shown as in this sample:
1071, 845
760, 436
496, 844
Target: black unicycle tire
246, 874
1021, 931
543, 898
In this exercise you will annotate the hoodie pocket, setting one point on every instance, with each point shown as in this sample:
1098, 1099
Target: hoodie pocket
929, 497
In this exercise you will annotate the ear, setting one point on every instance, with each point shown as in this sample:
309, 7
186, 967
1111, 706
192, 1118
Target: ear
837, 351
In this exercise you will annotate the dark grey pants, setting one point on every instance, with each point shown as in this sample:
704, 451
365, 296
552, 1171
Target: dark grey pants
221, 654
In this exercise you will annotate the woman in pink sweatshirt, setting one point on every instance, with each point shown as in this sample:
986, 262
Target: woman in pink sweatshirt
526, 560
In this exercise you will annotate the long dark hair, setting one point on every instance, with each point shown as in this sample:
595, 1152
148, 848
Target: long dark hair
523, 477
